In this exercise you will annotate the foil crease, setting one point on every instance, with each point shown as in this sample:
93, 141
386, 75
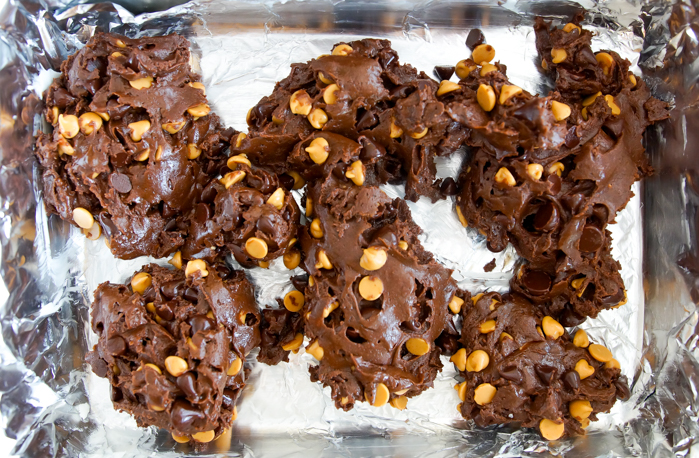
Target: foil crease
53, 405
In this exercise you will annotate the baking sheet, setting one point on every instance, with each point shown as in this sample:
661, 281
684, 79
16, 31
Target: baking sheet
242, 49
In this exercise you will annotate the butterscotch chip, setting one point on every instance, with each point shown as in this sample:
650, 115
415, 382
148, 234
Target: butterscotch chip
318, 150
446, 87
381, 395
600, 353
400, 402
68, 125
580, 409
204, 437
487, 327
256, 247
560, 110
142, 83
342, 50
232, 178
83, 218
485, 95
535, 171
487, 68
484, 394
277, 199
551, 430
139, 128
417, 346
455, 305
141, 282
395, 131
483, 53
176, 365
89, 122
477, 361
464, 68
370, 288
584, 369
558, 55
459, 359
552, 328
300, 103
292, 259
419, 135
605, 60
330, 94
323, 261
315, 350
199, 111
180, 439
196, 265
508, 91
355, 172
294, 300
316, 229
295, 344
176, 260
235, 367
580, 339
373, 258
317, 118
505, 177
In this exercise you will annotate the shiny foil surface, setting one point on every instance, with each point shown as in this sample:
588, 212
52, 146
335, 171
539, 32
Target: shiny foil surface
53, 405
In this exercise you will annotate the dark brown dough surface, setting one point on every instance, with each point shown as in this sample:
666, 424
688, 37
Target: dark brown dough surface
373, 92
211, 323
136, 189
534, 374
363, 339
256, 206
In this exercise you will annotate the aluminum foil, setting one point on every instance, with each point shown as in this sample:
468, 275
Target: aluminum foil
54, 406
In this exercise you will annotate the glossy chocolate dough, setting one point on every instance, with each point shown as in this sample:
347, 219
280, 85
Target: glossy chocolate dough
364, 341
602, 157
138, 203
534, 375
227, 218
203, 398
374, 90
550, 286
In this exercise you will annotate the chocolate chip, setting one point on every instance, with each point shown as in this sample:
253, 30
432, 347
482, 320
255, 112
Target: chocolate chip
490, 266
574, 201
149, 294
546, 218
107, 225
202, 213
186, 417
572, 140
229, 398
448, 343
545, 373
554, 182
370, 150
622, 389
475, 37
116, 395
99, 367
191, 294
367, 121
448, 187
265, 224
200, 323
171, 289
116, 345
287, 181
187, 382
443, 72
591, 239
166, 310
120, 182
510, 372
300, 282
571, 379
536, 282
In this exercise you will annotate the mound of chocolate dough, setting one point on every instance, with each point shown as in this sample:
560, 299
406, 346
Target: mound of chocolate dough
364, 94
375, 302
133, 145
523, 368
172, 345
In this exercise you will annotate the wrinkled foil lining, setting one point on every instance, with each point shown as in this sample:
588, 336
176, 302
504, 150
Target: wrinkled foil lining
54, 406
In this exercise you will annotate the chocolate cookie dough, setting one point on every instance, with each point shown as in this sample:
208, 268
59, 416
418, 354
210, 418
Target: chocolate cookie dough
375, 301
360, 92
248, 212
133, 144
550, 173
173, 346
523, 368
572, 294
